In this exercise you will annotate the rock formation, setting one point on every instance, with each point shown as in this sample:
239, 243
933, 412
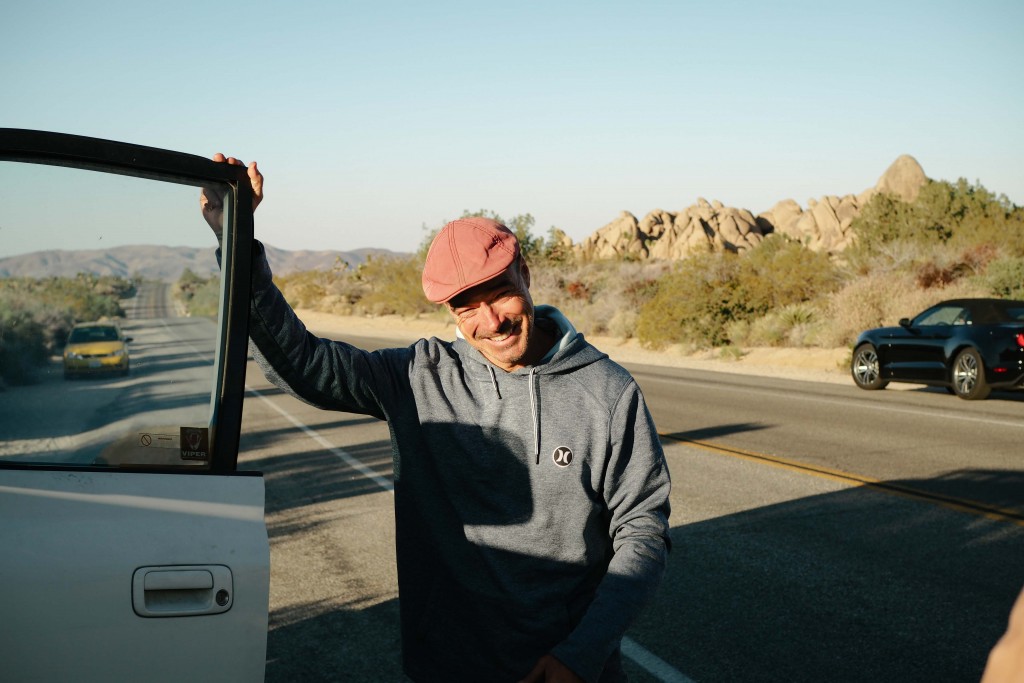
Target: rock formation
824, 226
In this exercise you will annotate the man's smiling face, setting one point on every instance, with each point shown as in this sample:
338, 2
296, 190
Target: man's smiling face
496, 318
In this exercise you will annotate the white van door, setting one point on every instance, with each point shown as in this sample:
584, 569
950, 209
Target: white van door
131, 547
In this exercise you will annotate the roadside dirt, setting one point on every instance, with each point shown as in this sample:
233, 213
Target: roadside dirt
820, 365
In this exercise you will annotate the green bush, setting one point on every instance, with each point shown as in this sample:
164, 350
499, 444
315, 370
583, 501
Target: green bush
705, 298
781, 272
1005, 278
694, 303
392, 287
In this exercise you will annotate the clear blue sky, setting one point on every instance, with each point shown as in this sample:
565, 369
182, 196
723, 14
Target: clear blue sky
371, 120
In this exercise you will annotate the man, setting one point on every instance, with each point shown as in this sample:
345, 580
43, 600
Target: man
531, 491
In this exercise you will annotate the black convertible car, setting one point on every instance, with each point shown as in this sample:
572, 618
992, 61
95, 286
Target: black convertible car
969, 346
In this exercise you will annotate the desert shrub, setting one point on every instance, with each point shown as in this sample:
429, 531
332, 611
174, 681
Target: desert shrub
59, 302
615, 291
623, 323
740, 332
942, 265
709, 296
23, 340
694, 303
379, 286
1005, 277
781, 272
982, 218
578, 290
206, 300
112, 287
392, 286
198, 295
899, 256
310, 289
960, 214
798, 325
881, 300
83, 297
865, 303
731, 353
599, 297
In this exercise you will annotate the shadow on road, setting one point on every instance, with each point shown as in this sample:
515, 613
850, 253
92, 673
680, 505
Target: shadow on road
848, 586
854, 585
347, 643
717, 431
851, 585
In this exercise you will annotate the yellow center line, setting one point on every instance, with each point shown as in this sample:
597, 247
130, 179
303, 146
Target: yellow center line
993, 512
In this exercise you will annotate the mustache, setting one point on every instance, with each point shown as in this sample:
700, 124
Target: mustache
508, 326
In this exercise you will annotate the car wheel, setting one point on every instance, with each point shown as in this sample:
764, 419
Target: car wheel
864, 368
968, 376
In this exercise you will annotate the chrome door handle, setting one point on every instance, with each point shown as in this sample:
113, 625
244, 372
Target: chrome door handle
178, 591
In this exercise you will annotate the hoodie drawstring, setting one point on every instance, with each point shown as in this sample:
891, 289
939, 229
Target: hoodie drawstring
534, 400
494, 382
536, 414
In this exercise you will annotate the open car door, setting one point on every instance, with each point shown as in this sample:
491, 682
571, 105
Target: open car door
131, 547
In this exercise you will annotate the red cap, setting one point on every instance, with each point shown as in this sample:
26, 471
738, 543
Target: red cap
465, 253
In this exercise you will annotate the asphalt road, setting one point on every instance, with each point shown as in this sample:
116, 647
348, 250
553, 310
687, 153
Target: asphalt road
821, 533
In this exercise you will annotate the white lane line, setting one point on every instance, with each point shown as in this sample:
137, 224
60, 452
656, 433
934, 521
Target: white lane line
347, 458
654, 665
937, 414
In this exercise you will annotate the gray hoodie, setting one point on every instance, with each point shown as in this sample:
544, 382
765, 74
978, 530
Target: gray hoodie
531, 507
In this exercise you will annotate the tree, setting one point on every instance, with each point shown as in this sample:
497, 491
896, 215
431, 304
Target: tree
558, 247
521, 226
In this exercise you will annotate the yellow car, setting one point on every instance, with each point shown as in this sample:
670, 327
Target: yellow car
96, 348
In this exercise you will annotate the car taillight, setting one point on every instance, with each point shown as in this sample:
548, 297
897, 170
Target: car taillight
1020, 339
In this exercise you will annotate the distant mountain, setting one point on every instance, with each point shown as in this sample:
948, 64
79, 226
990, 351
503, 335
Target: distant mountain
167, 263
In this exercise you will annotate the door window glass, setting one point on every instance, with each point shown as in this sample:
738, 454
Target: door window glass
943, 315
110, 295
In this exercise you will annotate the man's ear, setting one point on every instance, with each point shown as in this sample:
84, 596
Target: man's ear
524, 272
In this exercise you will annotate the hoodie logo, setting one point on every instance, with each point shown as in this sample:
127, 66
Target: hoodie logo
562, 456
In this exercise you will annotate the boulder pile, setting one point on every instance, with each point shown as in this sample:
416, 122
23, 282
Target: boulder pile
711, 226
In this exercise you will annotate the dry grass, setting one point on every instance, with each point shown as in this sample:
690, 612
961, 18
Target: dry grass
881, 300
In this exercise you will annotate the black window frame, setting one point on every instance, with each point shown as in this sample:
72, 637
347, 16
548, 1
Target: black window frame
75, 151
